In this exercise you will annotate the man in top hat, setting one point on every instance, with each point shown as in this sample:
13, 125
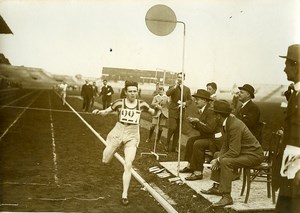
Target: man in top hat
240, 148
248, 112
206, 124
286, 166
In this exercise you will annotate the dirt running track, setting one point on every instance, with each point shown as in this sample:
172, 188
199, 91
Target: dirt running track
50, 160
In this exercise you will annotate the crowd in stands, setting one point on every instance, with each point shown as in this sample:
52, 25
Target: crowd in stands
5, 84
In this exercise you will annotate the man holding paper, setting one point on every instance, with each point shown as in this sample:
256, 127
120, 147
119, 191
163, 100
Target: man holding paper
286, 165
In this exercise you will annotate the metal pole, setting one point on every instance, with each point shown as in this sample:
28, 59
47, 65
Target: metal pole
164, 79
181, 99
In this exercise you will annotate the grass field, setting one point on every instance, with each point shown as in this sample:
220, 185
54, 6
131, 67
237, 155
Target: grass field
51, 161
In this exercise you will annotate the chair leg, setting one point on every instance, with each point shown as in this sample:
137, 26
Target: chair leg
269, 185
244, 181
273, 196
247, 171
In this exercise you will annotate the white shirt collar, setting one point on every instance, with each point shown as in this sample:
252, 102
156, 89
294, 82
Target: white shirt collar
202, 109
245, 103
297, 86
224, 122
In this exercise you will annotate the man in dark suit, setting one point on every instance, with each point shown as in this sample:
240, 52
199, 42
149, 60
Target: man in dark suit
206, 124
86, 94
95, 94
106, 92
249, 112
286, 165
174, 92
240, 149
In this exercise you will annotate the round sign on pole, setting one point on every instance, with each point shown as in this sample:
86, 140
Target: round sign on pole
161, 20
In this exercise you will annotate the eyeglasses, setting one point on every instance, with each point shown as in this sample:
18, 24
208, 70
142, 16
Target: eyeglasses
132, 91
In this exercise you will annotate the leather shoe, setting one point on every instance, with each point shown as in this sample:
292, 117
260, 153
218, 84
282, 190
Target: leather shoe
224, 201
194, 177
212, 191
186, 170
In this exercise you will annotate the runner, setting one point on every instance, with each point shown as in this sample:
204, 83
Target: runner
126, 131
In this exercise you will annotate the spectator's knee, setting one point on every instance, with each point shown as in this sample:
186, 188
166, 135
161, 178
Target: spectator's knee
225, 161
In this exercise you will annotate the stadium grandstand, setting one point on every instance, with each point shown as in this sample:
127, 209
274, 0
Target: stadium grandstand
148, 79
140, 76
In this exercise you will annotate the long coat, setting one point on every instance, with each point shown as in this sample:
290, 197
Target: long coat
208, 123
174, 92
250, 115
161, 100
291, 137
238, 140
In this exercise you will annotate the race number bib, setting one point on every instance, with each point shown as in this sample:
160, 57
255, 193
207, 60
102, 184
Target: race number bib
130, 116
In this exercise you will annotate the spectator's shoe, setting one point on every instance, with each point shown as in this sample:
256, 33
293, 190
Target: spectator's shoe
208, 159
125, 201
224, 201
194, 177
186, 170
212, 191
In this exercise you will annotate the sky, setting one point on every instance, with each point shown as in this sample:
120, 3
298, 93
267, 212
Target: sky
226, 41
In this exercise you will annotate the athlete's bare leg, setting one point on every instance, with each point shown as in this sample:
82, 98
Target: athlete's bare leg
129, 157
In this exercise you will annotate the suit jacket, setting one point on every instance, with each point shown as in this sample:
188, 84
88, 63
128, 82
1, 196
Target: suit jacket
250, 115
238, 140
291, 136
95, 91
106, 91
87, 91
174, 92
208, 123
161, 100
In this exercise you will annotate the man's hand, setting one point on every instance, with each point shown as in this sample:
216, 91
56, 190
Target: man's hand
215, 165
190, 119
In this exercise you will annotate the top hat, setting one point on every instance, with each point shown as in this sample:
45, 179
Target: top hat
293, 53
221, 106
248, 88
201, 93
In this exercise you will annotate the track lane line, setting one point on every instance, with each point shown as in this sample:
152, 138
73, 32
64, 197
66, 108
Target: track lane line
17, 99
165, 204
53, 142
13, 123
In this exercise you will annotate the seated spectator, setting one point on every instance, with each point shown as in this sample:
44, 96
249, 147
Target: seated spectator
206, 124
249, 112
240, 149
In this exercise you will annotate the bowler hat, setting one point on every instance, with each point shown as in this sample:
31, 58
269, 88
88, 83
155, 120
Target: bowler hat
221, 106
248, 88
201, 93
293, 53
